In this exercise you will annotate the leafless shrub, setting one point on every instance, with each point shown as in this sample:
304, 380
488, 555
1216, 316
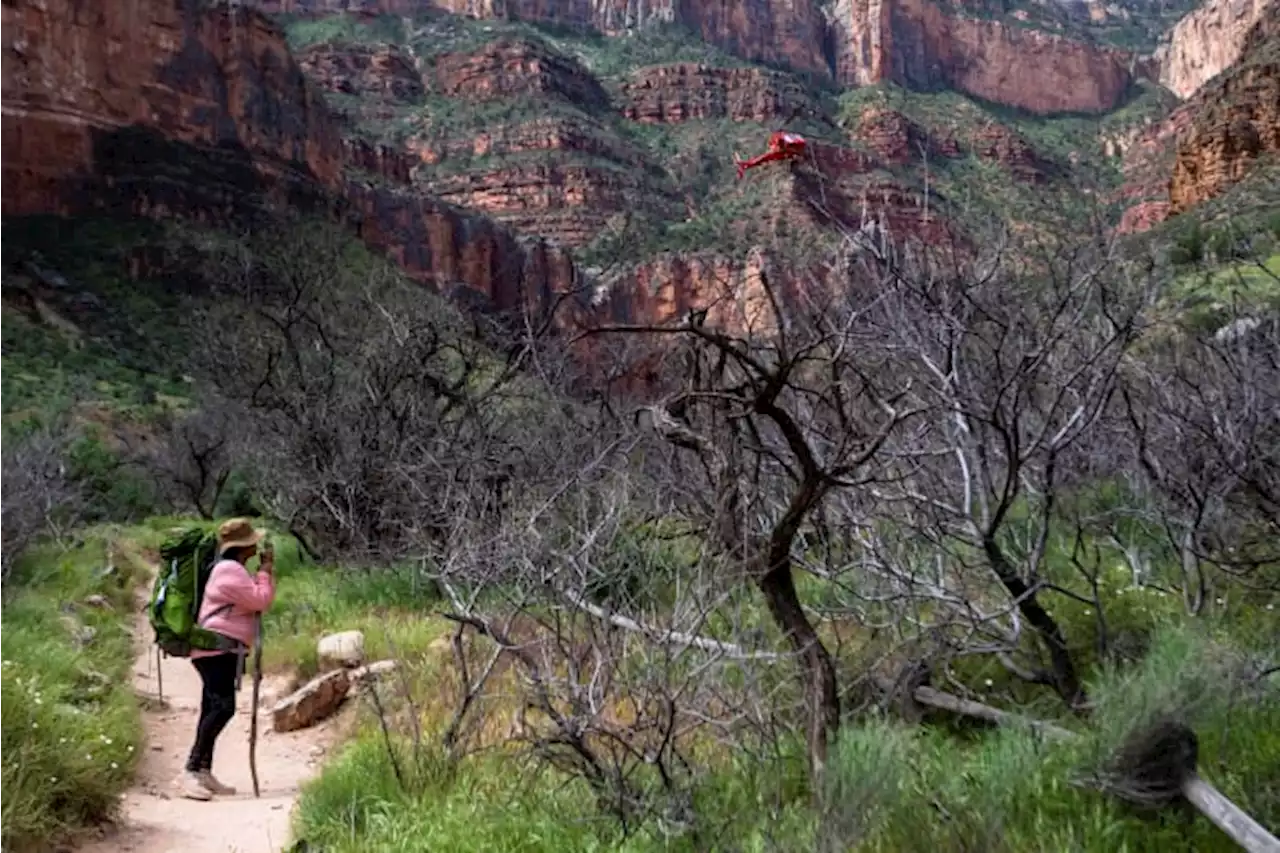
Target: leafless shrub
40, 496
365, 399
190, 455
1204, 416
621, 686
907, 440
1016, 356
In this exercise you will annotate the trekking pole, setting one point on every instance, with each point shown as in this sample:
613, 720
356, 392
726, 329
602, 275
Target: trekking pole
159, 677
253, 716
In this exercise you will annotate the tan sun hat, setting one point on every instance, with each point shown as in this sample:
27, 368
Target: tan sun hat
238, 533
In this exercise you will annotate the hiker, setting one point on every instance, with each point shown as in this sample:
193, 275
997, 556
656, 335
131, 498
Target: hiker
233, 599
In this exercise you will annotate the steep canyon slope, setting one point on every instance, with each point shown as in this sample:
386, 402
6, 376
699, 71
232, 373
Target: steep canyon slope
162, 108
528, 148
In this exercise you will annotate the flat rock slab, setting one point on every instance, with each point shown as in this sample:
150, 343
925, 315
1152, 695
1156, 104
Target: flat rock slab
312, 702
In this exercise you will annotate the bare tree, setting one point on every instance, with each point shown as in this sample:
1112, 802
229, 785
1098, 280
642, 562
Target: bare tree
1017, 355
190, 455
362, 397
628, 650
40, 494
779, 408
1204, 413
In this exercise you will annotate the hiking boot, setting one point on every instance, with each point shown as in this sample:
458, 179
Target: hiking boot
191, 786
211, 783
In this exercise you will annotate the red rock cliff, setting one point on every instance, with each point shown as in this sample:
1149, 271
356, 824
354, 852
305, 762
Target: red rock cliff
585, 173
1235, 120
81, 80
160, 107
922, 44
787, 32
1145, 164
510, 67
686, 91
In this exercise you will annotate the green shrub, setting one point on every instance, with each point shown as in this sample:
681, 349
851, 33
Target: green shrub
912, 788
114, 491
70, 725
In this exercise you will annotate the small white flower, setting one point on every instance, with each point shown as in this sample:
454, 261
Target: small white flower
88, 757
115, 766
39, 701
131, 747
1088, 612
62, 740
106, 740
34, 724
989, 682
1220, 600
53, 778
1271, 607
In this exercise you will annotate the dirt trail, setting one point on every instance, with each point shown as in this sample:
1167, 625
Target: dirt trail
155, 819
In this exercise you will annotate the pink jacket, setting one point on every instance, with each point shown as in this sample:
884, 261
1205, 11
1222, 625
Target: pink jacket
248, 595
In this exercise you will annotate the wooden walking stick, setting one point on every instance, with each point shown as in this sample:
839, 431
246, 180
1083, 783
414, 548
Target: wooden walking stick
253, 716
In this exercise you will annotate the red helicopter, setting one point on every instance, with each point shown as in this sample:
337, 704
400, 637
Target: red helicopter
783, 145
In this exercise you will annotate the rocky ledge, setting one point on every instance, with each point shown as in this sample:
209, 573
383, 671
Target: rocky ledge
665, 94
1236, 120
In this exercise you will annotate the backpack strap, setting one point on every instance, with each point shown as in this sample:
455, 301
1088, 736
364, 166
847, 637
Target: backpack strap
217, 611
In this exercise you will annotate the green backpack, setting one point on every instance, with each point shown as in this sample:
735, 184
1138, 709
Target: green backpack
186, 561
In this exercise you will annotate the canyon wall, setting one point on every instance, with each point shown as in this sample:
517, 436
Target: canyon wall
926, 45
86, 82
1206, 42
784, 32
918, 43
685, 91
160, 108
1235, 120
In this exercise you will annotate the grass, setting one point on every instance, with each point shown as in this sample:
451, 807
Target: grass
891, 787
392, 607
71, 732
1007, 791
71, 727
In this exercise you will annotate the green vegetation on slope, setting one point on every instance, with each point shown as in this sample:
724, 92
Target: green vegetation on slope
71, 728
892, 787
692, 161
126, 336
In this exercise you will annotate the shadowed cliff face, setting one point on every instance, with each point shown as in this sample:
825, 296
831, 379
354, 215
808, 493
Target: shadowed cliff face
162, 108
75, 74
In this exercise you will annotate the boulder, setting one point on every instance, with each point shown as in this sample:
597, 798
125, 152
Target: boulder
345, 649
312, 702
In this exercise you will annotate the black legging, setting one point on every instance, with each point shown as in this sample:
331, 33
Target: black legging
217, 705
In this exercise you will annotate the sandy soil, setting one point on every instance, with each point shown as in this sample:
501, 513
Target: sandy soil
155, 819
